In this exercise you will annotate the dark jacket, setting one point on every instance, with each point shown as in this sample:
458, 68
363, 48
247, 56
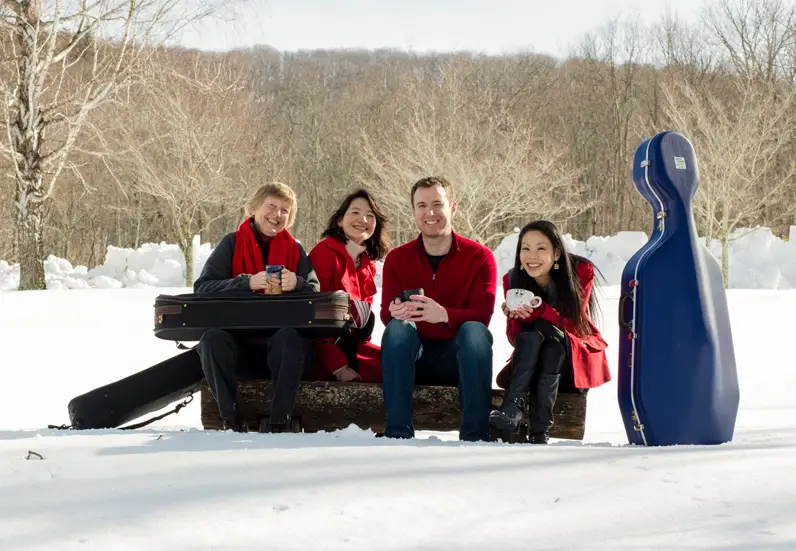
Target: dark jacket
217, 272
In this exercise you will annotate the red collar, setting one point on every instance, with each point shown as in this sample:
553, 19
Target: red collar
422, 249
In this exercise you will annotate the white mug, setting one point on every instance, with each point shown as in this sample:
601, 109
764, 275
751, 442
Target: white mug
516, 298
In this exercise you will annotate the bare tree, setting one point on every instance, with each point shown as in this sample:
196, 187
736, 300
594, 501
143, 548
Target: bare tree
502, 169
739, 134
67, 59
185, 153
756, 36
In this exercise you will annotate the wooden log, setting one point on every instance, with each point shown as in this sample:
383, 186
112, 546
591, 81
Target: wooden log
328, 406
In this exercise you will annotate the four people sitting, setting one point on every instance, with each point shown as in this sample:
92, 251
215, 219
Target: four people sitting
438, 297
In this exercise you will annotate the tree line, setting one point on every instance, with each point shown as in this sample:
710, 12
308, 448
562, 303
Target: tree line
181, 137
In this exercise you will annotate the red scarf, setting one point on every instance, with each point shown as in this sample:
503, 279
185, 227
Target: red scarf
248, 258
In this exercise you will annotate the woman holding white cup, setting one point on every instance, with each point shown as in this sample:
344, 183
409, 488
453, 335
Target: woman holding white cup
549, 303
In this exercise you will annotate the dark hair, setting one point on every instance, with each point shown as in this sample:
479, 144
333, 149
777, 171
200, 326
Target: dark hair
567, 284
377, 244
431, 181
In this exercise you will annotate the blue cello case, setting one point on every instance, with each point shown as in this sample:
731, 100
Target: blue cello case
677, 379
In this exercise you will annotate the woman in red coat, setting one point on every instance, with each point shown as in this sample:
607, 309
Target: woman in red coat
553, 339
345, 260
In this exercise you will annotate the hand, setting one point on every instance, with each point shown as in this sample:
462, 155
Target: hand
505, 309
346, 375
258, 281
402, 310
428, 310
288, 280
523, 312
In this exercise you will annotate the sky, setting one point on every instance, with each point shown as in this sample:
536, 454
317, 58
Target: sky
488, 26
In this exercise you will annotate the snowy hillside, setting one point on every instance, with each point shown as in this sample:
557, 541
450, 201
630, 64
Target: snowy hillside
758, 260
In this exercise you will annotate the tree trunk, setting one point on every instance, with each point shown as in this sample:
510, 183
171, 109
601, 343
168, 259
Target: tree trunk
188, 253
725, 243
30, 246
328, 406
725, 260
26, 134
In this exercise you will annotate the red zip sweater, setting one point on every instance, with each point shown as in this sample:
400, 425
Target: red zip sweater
465, 283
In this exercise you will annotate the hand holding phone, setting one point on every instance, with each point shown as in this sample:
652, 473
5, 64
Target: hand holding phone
406, 295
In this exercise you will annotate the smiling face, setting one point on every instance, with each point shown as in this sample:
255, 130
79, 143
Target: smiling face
433, 211
272, 215
537, 255
359, 221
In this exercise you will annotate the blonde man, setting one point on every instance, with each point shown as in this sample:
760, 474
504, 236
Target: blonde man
239, 263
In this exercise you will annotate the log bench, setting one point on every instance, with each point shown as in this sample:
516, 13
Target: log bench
328, 406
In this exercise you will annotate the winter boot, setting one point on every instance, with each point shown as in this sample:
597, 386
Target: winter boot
509, 416
523, 364
542, 403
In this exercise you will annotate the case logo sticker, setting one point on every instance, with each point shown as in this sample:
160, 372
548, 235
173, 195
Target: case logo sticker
679, 163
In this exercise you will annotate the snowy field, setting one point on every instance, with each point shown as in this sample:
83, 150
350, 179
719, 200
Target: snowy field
172, 486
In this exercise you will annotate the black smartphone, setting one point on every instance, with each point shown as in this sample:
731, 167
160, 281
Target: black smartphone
404, 296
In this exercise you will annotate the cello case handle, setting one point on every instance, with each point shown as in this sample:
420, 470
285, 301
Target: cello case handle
624, 322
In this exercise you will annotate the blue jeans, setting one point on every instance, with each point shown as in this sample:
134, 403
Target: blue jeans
464, 361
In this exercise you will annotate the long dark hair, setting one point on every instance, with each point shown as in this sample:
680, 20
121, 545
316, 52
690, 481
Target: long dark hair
568, 288
378, 244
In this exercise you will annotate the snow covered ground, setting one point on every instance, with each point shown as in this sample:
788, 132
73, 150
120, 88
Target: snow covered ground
172, 486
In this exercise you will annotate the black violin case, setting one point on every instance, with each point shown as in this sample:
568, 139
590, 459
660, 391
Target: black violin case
142, 393
314, 315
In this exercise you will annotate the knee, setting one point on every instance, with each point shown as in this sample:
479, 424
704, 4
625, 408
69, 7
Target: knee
287, 336
553, 358
474, 338
212, 339
399, 332
531, 339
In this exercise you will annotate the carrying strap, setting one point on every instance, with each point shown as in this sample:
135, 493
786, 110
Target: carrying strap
183, 347
176, 409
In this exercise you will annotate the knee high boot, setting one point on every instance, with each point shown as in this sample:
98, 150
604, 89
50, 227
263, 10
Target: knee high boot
545, 391
527, 347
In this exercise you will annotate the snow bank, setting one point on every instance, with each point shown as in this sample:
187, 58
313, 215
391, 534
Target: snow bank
758, 260
151, 265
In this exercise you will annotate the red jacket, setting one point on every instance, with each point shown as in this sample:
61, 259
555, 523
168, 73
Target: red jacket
465, 283
336, 271
589, 361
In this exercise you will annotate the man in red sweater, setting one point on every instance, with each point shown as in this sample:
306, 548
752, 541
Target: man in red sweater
439, 337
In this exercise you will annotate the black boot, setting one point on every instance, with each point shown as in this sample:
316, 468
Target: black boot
542, 403
509, 416
545, 391
526, 353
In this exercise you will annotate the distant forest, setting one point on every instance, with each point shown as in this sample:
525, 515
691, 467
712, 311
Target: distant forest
176, 152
